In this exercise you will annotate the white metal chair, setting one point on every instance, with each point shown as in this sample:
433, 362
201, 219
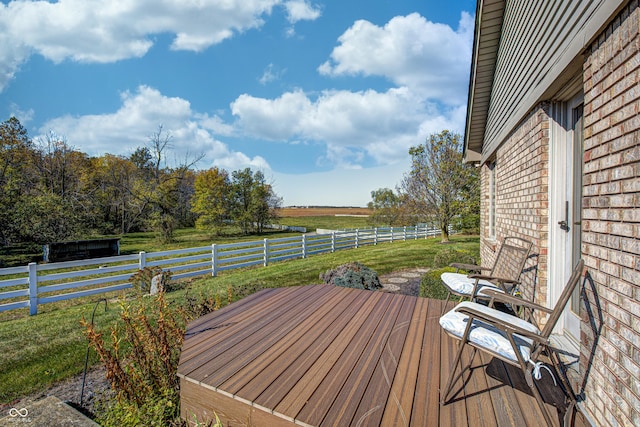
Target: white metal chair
507, 337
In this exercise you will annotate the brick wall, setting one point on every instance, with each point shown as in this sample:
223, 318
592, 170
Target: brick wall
521, 198
611, 221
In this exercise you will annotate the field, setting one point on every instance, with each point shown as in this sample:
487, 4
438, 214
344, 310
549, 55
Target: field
321, 211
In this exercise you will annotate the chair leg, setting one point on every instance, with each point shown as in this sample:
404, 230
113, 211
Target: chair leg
446, 302
568, 390
452, 376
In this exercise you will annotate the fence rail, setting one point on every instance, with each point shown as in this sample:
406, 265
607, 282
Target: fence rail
36, 284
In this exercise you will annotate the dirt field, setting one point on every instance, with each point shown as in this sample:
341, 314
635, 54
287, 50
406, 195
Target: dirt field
301, 211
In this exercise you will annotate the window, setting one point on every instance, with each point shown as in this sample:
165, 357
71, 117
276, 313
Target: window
492, 200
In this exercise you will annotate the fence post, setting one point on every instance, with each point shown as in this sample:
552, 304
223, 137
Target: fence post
304, 246
375, 236
214, 260
333, 241
142, 261
404, 233
266, 252
33, 288
357, 242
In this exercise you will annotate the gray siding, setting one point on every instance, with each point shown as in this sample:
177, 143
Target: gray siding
541, 41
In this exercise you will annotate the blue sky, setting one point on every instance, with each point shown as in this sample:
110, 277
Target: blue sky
324, 97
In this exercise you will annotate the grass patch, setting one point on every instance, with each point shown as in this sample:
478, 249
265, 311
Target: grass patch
38, 351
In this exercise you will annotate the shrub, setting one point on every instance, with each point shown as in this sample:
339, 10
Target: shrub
431, 286
352, 275
141, 359
446, 256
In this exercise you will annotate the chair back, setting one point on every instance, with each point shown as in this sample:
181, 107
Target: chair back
511, 258
563, 300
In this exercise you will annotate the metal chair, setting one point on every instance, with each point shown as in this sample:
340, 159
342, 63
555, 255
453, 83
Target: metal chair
507, 337
504, 276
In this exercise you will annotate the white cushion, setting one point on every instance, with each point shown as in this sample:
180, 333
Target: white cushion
461, 284
486, 335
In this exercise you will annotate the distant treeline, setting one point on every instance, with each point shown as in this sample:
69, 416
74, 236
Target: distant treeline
52, 192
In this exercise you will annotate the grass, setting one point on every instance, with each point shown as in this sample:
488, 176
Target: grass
36, 352
133, 243
326, 222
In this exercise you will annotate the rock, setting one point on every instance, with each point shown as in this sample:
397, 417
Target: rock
156, 284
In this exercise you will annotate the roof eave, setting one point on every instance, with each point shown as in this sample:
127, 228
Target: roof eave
489, 17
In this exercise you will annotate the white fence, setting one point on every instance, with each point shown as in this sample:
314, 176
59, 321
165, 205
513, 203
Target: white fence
35, 284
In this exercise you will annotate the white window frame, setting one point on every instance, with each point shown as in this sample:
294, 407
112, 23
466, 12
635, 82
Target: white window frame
492, 200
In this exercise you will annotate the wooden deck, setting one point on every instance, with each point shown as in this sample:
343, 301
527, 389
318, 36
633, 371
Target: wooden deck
323, 355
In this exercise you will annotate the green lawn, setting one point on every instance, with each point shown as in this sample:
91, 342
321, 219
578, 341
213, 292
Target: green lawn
133, 243
37, 351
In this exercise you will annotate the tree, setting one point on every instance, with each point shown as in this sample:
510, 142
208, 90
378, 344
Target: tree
162, 189
111, 186
265, 202
17, 175
242, 185
47, 217
60, 196
254, 203
387, 208
211, 199
440, 185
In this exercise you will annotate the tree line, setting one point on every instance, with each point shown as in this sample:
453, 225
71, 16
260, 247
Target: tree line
51, 192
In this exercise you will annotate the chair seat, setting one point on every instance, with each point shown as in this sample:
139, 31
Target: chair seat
461, 284
486, 335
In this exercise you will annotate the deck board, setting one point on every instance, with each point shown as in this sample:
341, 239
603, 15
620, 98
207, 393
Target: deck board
327, 356
329, 371
265, 336
293, 363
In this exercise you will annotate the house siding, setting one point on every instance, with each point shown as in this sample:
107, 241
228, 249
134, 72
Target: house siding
539, 41
611, 218
609, 368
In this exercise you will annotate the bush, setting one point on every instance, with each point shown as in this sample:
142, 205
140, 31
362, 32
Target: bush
446, 256
431, 286
141, 359
352, 275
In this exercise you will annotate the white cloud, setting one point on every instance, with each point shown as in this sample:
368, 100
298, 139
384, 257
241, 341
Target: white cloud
106, 31
353, 125
370, 127
430, 58
138, 118
301, 10
22, 115
270, 74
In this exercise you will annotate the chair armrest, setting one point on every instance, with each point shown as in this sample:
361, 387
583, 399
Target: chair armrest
468, 267
493, 278
486, 316
510, 299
